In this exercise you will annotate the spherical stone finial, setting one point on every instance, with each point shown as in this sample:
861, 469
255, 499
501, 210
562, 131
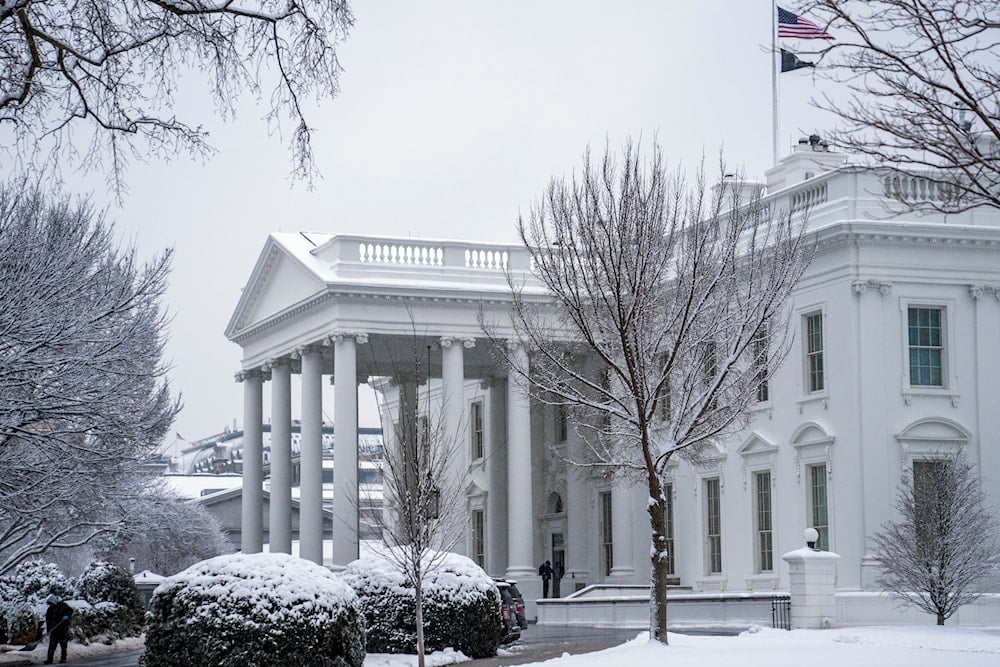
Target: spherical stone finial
811, 536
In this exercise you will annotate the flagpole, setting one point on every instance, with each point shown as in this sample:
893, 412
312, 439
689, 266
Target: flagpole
774, 84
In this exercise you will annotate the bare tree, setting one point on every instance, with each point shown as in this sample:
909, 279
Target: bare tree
83, 395
115, 70
661, 319
423, 516
924, 82
943, 548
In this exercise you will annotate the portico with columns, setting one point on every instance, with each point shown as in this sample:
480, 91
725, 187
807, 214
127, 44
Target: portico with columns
344, 308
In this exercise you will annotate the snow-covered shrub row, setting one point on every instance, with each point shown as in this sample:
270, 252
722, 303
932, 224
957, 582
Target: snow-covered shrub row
461, 606
104, 583
254, 609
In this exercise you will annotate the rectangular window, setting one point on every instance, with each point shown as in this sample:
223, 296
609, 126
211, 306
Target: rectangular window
562, 423
607, 548
476, 424
479, 538
814, 353
762, 496
760, 361
668, 494
925, 346
713, 525
818, 505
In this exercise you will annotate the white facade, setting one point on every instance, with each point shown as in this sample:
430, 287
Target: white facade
845, 417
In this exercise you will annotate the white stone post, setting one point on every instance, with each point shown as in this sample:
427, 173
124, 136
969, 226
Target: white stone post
252, 519
345, 449
812, 579
520, 508
311, 459
280, 518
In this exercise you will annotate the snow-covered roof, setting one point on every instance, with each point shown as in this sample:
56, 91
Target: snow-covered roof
196, 486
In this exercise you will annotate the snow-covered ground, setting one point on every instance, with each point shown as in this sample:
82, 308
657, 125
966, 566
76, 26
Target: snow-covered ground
12, 655
910, 646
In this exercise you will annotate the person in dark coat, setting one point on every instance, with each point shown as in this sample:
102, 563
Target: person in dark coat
57, 618
545, 572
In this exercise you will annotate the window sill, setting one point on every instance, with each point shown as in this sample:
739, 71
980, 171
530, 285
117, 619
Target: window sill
932, 392
477, 465
822, 398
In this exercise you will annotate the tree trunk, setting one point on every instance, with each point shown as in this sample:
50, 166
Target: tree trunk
419, 599
659, 573
940, 618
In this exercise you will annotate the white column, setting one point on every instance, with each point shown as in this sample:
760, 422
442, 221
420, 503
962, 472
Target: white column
345, 449
623, 554
520, 508
251, 523
280, 519
311, 460
453, 395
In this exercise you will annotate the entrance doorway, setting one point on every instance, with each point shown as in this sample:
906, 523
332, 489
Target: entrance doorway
558, 562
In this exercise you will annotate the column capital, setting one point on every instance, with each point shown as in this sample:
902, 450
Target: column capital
262, 372
448, 341
862, 286
979, 291
358, 337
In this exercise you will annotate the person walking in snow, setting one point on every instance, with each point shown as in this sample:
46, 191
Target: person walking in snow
57, 618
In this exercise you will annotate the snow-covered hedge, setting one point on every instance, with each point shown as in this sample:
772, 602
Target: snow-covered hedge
20, 622
254, 609
461, 606
104, 583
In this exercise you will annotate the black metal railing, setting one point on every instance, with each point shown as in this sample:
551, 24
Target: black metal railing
781, 612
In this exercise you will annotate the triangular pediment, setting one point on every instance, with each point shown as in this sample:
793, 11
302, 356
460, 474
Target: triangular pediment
278, 282
757, 444
472, 490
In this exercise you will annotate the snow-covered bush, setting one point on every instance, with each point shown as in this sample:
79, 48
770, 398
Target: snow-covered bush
20, 622
254, 609
36, 580
461, 606
104, 582
103, 622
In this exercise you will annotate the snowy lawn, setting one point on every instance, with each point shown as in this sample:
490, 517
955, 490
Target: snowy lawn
910, 646
853, 647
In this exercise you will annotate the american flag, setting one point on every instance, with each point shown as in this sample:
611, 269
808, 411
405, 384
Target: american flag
793, 25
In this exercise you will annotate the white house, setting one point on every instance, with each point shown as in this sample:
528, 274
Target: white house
896, 359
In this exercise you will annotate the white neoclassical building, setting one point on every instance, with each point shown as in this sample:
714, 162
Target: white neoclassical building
896, 360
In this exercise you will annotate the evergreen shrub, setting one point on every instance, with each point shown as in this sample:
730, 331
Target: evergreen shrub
461, 606
267, 610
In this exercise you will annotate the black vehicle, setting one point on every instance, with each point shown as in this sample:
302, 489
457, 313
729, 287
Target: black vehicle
508, 615
522, 620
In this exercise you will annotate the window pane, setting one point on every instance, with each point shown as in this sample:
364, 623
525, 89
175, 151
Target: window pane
713, 525
762, 485
606, 544
925, 347
668, 492
818, 509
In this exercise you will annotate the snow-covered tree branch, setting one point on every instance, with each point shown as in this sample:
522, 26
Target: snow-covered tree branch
83, 395
115, 69
924, 82
662, 316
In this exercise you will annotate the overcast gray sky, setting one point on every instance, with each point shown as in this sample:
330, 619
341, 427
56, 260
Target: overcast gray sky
452, 117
